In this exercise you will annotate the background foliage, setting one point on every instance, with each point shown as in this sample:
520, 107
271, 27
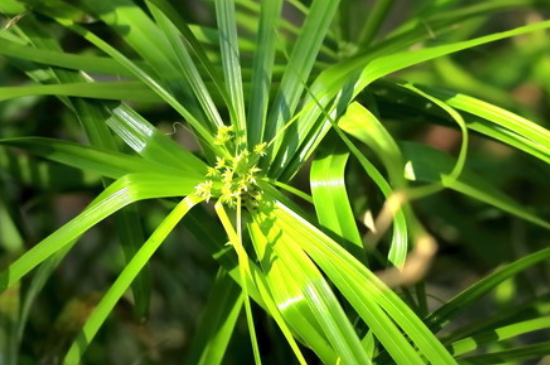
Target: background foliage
379, 171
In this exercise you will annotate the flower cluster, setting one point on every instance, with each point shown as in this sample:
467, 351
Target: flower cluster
234, 177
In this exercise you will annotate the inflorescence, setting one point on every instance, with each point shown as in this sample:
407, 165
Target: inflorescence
234, 177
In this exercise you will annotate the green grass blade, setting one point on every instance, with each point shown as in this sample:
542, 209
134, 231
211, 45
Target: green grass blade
217, 322
515, 355
457, 77
124, 280
440, 17
92, 117
385, 65
264, 58
211, 234
87, 63
455, 306
9, 306
109, 164
236, 241
531, 309
150, 143
203, 131
399, 244
502, 127
364, 126
190, 33
118, 90
38, 282
320, 298
148, 40
300, 64
369, 310
187, 67
263, 287
331, 201
12, 236
457, 117
359, 72
495, 114
427, 164
348, 275
227, 28
478, 340
11, 243
121, 193
288, 296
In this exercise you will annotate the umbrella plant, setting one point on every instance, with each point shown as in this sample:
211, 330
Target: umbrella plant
267, 91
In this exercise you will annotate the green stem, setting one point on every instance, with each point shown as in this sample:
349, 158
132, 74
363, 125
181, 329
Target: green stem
235, 239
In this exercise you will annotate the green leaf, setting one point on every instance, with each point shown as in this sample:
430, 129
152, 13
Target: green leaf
122, 283
225, 15
290, 301
187, 67
235, 237
203, 131
366, 293
277, 252
262, 71
427, 164
210, 233
110, 164
11, 235
87, 63
134, 91
301, 60
217, 322
263, 287
126, 190
150, 143
359, 122
38, 282
530, 309
9, 305
399, 244
442, 316
91, 115
500, 124
513, 123
499, 334
385, 65
353, 76
331, 201
190, 34
288, 296
461, 160
538, 350
148, 40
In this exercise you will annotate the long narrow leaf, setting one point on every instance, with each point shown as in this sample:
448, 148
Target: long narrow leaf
124, 191
217, 323
109, 164
320, 298
331, 201
452, 308
345, 272
262, 71
124, 280
134, 91
225, 15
